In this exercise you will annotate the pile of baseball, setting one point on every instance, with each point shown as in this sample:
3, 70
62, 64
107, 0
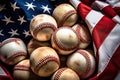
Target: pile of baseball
58, 51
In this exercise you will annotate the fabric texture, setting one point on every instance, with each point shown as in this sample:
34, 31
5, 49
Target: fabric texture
105, 34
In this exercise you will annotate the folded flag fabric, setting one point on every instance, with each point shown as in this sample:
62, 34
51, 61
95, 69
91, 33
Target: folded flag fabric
105, 34
115, 4
107, 10
4, 73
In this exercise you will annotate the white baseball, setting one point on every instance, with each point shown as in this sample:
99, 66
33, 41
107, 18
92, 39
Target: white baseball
33, 44
44, 61
12, 50
83, 62
65, 74
42, 27
65, 15
84, 35
65, 40
22, 71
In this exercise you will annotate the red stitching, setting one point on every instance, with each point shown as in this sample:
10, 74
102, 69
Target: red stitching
66, 16
44, 61
21, 67
58, 73
9, 40
88, 63
43, 25
58, 44
19, 53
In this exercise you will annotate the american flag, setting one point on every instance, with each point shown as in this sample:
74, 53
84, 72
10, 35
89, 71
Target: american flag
104, 26
99, 15
15, 16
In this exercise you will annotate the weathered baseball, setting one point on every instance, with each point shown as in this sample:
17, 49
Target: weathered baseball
65, 15
84, 35
12, 50
44, 61
65, 74
82, 62
33, 44
22, 71
42, 27
65, 40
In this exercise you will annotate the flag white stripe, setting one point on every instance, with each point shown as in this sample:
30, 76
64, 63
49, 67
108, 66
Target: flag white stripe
116, 5
101, 4
92, 18
2, 72
113, 3
108, 47
75, 3
118, 77
116, 19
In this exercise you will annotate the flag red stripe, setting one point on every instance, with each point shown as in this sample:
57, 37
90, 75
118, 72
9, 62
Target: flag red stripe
116, 58
85, 10
117, 10
101, 31
111, 12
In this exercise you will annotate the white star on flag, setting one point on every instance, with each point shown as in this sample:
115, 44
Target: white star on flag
27, 33
1, 33
14, 6
22, 20
13, 32
2, 7
30, 6
46, 9
7, 20
33, 16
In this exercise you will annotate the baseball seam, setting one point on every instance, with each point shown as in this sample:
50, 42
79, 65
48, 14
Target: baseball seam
43, 25
87, 40
44, 61
88, 63
21, 67
58, 73
58, 44
66, 16
9, 40
79, 33
19, 53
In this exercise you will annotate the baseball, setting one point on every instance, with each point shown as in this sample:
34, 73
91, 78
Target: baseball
65, 40
22, 71
65, 15
42, 27
65, 74
84, 35
44, 61
33, 44
82, 62
12, 50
